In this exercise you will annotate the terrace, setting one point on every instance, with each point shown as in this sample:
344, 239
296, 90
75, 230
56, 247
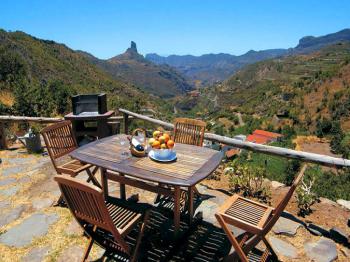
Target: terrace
32, 229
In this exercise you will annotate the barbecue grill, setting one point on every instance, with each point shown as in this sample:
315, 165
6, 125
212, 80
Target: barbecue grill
89, 117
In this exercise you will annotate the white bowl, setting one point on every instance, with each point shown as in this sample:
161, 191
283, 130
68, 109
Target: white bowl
163, 153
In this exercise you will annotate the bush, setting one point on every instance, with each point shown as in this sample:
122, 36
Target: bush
306, 197
292, 169
330, 184
249, 181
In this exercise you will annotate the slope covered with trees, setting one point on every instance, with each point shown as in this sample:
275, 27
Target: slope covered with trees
310, 93
37, 77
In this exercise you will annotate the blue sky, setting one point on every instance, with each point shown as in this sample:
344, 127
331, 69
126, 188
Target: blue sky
105, 28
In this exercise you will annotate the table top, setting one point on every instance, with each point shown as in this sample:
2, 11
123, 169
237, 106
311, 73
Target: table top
193, 163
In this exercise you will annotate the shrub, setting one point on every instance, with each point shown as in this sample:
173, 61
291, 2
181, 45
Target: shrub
249, 181
292, 169
305, 195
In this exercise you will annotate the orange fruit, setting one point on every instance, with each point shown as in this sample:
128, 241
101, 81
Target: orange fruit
162, 139
170, 144
167, 137
163, 146
156, 144
156, 134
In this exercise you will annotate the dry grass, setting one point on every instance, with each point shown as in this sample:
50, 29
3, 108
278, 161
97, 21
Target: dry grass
7, 98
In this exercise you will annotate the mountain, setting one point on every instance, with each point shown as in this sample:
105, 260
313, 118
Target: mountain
207, 69
310, 44
301, 88
160, 80
38, 76
210, 68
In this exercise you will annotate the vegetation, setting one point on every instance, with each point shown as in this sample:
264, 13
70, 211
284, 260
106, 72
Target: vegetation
133, 68
42, 75
305, 196
330, 184
249, 181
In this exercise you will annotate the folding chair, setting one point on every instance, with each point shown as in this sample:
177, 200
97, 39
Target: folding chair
108, 223
256, 219
60, 141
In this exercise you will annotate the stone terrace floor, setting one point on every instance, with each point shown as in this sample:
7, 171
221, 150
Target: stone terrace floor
31, 229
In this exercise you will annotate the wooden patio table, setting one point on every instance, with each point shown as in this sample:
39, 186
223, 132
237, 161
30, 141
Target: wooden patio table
112, 153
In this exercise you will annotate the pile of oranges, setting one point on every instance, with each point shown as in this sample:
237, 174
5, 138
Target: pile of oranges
161, 141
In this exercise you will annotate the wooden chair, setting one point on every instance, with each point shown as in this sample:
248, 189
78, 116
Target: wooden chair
108, 223
254, 218
189, 131
60, 141
186, 131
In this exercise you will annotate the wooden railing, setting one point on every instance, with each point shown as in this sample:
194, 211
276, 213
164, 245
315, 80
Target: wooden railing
265, 149
126, 116
114, 120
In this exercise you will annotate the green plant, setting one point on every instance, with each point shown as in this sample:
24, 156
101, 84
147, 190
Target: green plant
305, 195
35, 129
249, 181
292, 169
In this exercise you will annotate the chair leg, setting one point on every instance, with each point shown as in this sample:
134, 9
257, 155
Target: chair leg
139, 238
60, 201
232, 239
195, 190
268, 245
88, 249
93, 178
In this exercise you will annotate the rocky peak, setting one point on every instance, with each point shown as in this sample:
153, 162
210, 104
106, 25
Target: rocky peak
130, 54
132, 47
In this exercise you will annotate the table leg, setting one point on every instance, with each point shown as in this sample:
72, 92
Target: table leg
190, 203
122, 190
176, 209
104, 182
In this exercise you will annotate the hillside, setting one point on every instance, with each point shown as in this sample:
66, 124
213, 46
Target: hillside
38, 76
299, 86
131, 67
207, 69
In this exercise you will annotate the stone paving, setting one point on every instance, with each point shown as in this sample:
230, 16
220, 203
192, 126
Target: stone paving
31, 229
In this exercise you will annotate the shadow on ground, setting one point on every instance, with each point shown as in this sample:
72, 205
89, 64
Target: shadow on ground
200, 242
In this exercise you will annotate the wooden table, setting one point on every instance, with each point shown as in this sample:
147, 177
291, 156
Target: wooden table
112, 153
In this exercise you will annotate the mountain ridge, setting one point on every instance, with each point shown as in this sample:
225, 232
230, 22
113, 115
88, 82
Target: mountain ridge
210, 68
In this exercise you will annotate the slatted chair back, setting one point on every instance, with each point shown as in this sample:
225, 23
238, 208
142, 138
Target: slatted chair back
189, 131
284, 201
86, 202
59, 140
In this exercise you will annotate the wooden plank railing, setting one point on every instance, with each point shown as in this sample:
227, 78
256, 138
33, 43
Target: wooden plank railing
265, 149
45, 120
114, 120
128, 115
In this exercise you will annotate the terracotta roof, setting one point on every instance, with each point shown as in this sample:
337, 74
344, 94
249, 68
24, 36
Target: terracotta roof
266, 133
232, 152
258, 139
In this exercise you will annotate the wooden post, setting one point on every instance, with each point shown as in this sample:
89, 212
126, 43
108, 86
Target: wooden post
126, 123
190, 203
122, 189
2, 136
117, 128
104, 181
177, 195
